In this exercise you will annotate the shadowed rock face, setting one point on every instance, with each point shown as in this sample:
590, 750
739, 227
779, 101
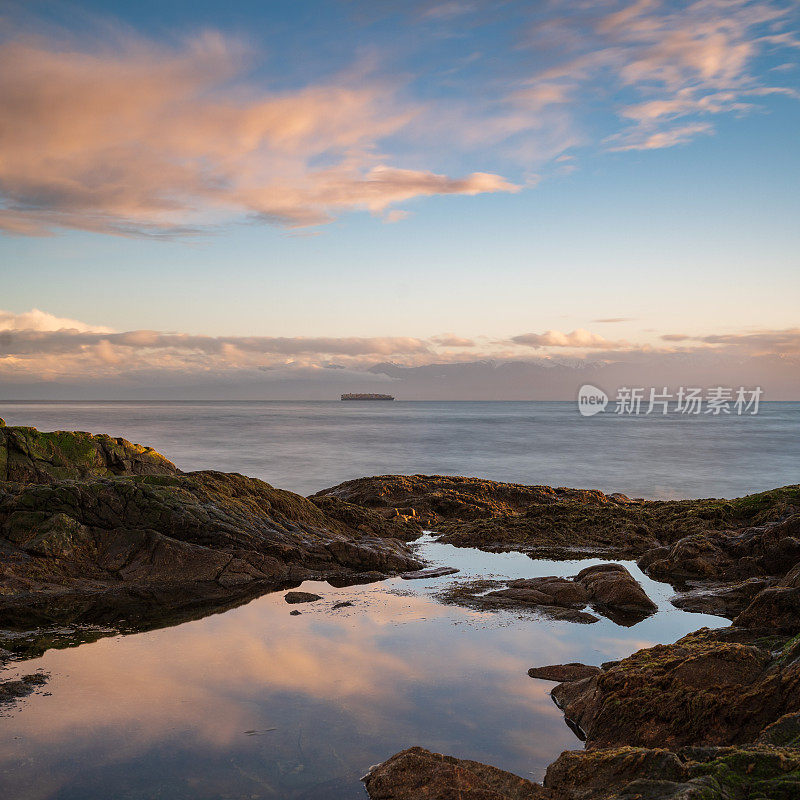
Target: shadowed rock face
710, 688
94, 548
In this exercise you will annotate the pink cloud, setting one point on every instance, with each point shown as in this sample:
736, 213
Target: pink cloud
131, 137
579, 338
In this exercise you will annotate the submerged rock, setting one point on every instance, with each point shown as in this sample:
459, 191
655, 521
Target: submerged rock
301, 597
430, 572
13, 690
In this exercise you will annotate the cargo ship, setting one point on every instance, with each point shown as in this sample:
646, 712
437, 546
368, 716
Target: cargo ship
358, 396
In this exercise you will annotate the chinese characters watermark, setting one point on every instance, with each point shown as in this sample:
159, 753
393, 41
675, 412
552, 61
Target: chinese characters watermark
717, 400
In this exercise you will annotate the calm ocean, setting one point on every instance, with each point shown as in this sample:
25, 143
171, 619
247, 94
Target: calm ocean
307, 446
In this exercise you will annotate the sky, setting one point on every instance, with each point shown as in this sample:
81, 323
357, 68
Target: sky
459, 199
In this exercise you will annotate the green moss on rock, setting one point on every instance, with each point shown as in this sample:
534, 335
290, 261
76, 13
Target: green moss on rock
31, 456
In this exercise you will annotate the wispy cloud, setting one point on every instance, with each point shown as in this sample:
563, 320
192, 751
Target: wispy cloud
761, 342
121, 134
685, 62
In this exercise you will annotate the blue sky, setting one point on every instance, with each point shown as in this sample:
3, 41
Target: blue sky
384, 171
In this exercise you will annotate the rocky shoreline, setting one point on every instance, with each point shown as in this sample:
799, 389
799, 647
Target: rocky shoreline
98, 530
715, 715
95, 530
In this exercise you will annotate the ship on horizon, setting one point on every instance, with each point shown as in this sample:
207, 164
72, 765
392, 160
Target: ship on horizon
361, 396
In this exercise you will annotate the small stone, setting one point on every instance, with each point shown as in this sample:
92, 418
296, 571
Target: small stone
563, 672
343, 604
295, 613
431, 572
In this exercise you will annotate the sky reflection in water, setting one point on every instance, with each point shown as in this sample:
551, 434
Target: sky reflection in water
256, 703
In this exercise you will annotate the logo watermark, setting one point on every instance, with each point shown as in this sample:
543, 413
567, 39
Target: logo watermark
591, 400
717, 401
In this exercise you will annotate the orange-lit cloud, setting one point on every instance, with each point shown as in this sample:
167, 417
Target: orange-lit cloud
40, 347
132, 137
579, 338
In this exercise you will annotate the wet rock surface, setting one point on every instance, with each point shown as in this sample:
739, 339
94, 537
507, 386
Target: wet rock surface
417, 773
564, 672
430, 572
609, 588
93, 548
716, 715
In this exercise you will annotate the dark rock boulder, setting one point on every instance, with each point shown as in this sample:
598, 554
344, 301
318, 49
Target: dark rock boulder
612, 588
418, 774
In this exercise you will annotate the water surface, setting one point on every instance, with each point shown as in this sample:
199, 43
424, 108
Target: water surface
307, 446
257, 703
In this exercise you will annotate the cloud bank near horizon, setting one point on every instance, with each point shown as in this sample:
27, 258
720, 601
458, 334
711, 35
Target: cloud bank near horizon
41, 349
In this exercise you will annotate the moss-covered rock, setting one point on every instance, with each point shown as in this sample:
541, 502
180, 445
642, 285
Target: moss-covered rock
94, 528
565, 523
31, 456
700, 690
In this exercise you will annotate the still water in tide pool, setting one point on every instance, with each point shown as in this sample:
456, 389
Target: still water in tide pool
257, 703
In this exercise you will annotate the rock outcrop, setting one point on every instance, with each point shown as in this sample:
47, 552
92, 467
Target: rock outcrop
609, 588
31, 456
716, 715
107, 533
678, 540
417, 774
